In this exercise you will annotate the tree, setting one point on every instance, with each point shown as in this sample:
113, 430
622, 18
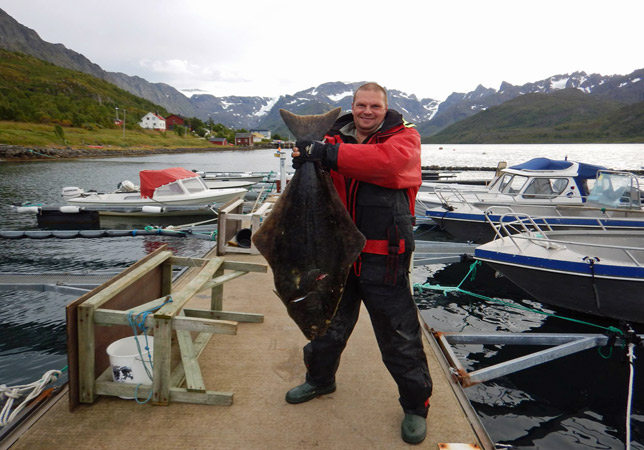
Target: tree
60, 133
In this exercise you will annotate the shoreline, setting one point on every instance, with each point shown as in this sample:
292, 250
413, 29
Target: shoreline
17, 153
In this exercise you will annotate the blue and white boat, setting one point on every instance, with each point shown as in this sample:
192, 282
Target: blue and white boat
539, 181
615, 201
598, 272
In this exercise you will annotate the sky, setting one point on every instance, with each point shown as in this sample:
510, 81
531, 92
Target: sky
265, 48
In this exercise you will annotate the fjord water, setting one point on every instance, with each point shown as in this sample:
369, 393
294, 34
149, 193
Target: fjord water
573, 403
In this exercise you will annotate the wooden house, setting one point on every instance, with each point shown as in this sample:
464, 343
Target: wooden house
173, 120
152, 121
218, 141
244, 139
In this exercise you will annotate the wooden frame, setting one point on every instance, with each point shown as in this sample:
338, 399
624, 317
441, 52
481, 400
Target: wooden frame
145, 286
231, 220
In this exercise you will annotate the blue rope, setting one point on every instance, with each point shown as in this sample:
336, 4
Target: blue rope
138, 321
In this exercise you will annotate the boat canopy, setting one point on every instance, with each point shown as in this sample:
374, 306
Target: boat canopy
152, 179
585, 171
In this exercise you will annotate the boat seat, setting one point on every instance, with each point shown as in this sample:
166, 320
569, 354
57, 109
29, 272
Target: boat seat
539, 188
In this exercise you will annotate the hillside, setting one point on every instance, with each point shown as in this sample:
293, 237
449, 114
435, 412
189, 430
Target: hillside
44, 105
32, 90
564, 116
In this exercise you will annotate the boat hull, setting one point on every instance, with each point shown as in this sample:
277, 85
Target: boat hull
601, 296
136, 201
598, 272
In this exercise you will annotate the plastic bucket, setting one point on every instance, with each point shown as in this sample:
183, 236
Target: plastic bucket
127, 362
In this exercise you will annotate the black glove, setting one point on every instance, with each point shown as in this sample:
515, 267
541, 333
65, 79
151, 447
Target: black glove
309, 151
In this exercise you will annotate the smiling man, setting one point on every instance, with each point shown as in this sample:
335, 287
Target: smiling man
373, 156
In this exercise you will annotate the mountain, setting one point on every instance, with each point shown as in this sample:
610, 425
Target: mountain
567, 115
430, 116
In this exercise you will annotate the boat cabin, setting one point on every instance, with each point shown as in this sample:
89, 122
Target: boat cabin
543, 179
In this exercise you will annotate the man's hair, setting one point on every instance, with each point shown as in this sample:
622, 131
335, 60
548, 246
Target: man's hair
371, 86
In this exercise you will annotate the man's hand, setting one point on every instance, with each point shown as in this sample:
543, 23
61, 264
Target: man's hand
306, 150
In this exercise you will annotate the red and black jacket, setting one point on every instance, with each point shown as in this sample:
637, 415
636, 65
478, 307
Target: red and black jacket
377, 181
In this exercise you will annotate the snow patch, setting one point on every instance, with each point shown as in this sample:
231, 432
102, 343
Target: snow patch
267, 107
338, 97
636, 80
558, 84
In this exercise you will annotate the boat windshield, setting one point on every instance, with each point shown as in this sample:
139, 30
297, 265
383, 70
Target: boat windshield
545, 187
616, 190
194, 185
168, 189
510, 183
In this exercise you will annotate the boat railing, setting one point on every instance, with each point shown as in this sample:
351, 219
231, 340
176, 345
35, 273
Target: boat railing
511, 223
449, 195
539, 237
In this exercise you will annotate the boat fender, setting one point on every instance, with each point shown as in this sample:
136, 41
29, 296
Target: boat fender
152, 209
28, 209
69, 209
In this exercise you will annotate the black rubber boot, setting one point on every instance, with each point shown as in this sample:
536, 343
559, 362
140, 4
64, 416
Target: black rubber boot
413, 429
305, 392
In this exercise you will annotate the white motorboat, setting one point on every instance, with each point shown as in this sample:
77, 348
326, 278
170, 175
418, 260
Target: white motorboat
255, 177
598, 272
169, 191
615, 201
539, 181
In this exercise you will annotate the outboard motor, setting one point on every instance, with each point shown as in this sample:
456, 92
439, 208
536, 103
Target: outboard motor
126, 186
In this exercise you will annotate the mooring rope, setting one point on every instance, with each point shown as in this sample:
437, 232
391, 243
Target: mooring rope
472, 274
138, 321
629, 401
13, 393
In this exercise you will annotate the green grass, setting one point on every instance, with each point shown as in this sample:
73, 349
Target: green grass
43, 135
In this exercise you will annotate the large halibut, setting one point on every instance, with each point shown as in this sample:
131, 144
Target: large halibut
309, 239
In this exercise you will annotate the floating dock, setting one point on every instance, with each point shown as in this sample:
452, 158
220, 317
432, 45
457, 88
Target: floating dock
259, 364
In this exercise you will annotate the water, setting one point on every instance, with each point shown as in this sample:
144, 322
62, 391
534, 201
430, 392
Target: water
574, 403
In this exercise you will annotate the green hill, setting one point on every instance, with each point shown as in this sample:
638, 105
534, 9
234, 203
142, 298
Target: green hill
32, 90
565, 116
45, 105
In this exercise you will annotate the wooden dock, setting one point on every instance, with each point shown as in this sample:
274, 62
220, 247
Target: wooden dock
258, 365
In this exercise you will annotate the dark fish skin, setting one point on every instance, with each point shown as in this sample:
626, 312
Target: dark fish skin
310, 243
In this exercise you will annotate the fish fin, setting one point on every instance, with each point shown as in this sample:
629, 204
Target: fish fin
312, 127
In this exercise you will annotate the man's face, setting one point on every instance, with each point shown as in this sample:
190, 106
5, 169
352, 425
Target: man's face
368, 109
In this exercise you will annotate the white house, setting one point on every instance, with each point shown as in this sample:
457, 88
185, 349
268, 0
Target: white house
261, 134
152, 121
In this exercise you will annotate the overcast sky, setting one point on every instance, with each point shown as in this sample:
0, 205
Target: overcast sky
266, 48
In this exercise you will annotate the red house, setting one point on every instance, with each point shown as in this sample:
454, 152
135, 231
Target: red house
173, 120
219, 141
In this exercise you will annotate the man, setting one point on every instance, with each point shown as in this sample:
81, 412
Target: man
374, 160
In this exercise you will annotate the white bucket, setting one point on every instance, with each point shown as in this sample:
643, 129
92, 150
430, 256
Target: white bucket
127, 365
